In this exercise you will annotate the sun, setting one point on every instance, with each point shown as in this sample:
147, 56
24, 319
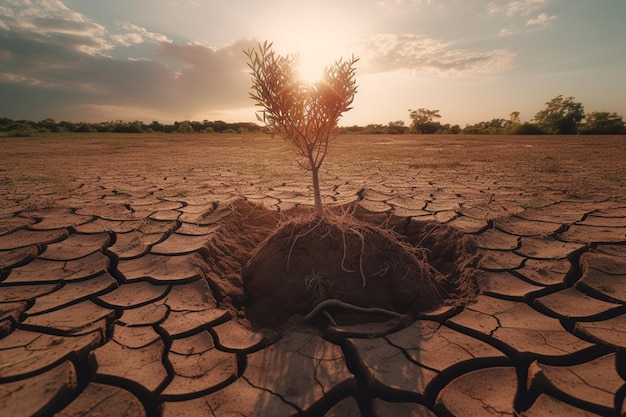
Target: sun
314, 52
311, 68
315, 46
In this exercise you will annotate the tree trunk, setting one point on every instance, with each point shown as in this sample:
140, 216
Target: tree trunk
319, 211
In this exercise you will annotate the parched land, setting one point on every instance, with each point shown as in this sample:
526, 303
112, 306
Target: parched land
121, 293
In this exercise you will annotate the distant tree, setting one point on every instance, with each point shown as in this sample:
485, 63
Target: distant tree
528, 129
375, 129
455, 129
126, 127
423, 120
156, 126
196, 126
492, 127
351, 129
64, 126
18, 128
48, 124
304, 113
135, 127
184, 127
511, 125
85, 128
561, 116
397, 127
219, 125
602, 123
5, 122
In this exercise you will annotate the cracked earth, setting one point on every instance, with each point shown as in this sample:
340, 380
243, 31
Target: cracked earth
112, 299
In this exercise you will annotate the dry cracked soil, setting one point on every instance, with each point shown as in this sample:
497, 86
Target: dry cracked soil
121, 290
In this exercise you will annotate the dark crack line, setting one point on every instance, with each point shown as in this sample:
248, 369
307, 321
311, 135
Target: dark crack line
144, 396
498, 326
409, 358
315, 376
298, 409
361, 376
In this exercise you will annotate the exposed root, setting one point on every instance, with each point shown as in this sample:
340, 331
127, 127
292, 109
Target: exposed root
345, 253
295, 239
265, 267
330, 318
346, 224
308, 260
334, 303
355, 258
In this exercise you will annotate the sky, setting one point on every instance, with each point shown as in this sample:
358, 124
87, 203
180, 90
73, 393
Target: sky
175, 60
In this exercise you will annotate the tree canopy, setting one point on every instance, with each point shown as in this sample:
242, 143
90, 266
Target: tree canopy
424, 120
602, 123
305, 113
561, 116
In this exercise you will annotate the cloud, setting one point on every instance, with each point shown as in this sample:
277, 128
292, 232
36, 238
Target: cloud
51, 54
542, 20
52, 21
521, 10
210, 79
515, 8
420, 53
143, 33
127, 39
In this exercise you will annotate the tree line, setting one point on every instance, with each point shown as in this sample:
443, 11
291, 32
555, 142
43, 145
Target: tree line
561, 116
18, 128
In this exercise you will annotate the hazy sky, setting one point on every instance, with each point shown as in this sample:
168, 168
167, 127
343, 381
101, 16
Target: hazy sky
167, 60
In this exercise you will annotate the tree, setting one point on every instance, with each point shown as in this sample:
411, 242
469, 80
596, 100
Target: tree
561, 116
423, 120
528, 129
397, 127
85, 128
514, 118
304, 113
156, 126
492, 127
185, 127
602, 123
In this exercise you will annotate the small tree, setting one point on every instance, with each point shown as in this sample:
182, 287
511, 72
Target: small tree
423, 120
561, 116
603, 123
397, 127
304, 113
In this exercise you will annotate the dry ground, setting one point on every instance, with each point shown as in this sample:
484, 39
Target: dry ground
531, 170
112, 248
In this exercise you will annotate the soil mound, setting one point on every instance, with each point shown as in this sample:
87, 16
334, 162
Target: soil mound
343, 268
309, 261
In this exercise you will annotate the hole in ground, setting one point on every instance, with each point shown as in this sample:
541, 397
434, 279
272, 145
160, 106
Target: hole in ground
351, 267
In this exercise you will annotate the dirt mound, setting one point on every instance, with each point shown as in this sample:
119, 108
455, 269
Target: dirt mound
243, 226
271, 266
308, 261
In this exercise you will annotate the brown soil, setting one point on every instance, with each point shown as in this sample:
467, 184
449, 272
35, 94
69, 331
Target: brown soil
271, 266
109, 243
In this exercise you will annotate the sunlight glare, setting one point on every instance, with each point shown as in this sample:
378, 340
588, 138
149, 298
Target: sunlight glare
311, 68
316, 47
